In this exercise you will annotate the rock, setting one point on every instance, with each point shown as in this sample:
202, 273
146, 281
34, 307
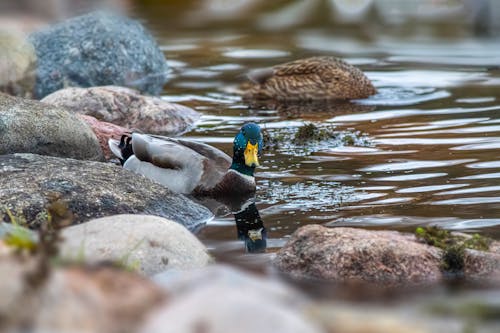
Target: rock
177, 283
127, 108
152, 243
349, 255
98, 49
222, 300
75, 299
480, 266
28, 126
105, 131
91, 189
342, 318
17, 65
21, 23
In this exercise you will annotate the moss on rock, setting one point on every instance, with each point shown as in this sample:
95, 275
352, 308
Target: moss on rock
453, 245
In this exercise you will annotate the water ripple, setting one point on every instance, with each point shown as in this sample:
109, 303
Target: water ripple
471, 190
429, 188
467, 201
418, 176
411, 165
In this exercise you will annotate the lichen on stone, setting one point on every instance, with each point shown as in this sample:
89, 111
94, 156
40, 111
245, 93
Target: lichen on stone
453, 245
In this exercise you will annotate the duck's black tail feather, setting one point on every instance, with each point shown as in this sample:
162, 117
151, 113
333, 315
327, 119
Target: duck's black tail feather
123, 148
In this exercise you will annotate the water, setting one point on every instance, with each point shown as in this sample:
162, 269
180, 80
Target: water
432, 129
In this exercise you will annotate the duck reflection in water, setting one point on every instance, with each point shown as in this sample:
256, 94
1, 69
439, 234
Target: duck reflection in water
251, 228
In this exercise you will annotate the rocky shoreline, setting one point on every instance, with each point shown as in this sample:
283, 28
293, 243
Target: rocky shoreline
126, 258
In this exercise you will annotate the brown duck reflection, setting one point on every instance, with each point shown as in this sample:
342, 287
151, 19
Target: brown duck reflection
318, 110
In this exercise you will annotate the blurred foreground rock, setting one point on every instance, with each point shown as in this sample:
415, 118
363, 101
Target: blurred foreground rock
128, 108
150, 244
224, 300
74, 299
384, 258
91, 190
98, 49
28, 126
17, 64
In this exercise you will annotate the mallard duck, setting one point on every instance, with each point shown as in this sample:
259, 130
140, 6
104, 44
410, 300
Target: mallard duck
190, 167
316, 78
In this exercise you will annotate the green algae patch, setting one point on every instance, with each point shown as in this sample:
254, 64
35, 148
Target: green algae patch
310, 132
310, 138
453, 245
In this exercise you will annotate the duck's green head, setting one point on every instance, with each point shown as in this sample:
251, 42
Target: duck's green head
247, 148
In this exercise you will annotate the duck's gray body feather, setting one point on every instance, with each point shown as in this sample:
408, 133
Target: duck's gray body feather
182, 166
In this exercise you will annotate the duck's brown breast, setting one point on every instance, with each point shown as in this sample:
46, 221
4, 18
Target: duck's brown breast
232, 184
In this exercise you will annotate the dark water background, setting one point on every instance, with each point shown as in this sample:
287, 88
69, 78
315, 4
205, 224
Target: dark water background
430, 154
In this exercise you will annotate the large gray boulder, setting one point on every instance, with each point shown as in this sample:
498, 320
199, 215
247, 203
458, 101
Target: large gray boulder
150, 244
28, 183
98, 49
28, 126
128, 108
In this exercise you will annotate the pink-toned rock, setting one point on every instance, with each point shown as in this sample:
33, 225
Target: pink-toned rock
128, 108
105, 131
78, 299
384, 258
482, 266
345, 255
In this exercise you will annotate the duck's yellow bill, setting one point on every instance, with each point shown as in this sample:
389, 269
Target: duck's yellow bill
251, 158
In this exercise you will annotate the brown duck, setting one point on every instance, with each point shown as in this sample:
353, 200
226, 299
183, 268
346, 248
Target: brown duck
316, 78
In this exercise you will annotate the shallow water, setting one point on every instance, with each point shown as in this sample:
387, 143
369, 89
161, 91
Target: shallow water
432, 129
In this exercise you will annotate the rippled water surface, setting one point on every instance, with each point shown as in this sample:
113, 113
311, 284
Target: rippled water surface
432, 131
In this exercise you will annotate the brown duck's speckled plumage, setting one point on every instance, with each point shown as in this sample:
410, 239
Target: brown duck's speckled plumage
317, 78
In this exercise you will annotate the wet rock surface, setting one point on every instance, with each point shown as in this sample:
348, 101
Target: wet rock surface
83, 299
128, 108
385, 258
17, 64
98, 49
91, 190
28, 126
149, 244
480, 266
350, 255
